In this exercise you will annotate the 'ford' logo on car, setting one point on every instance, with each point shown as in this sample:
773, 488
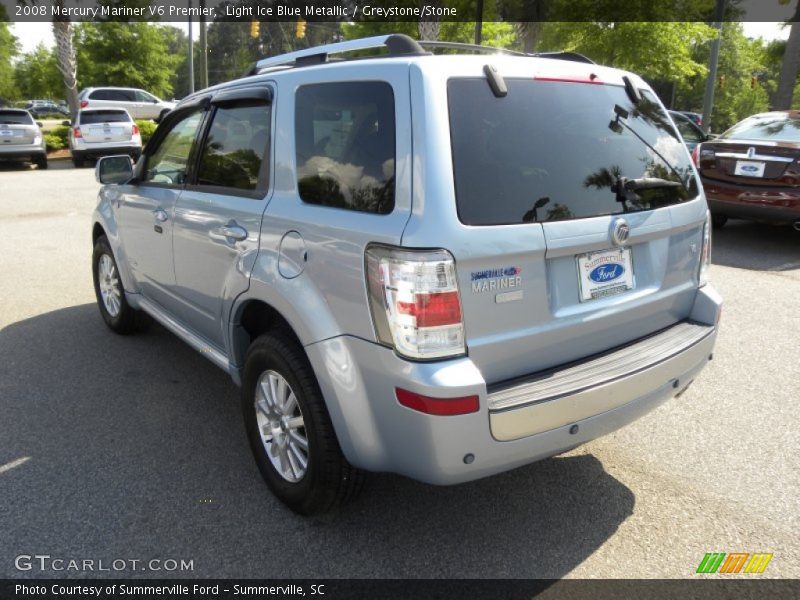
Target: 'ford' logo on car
607, 272
750, 169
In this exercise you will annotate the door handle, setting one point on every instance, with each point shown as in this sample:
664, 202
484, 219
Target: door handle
230, 232
160, 215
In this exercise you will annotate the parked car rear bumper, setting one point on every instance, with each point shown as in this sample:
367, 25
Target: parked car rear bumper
358, 379
774, 204
22, 152
106, 149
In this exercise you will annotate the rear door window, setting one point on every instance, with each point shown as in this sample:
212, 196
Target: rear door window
104, 116
551, 151
345, 144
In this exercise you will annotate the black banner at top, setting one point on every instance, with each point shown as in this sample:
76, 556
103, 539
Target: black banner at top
396, 10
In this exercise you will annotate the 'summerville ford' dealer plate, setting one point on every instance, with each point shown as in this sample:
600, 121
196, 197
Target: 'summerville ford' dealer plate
605, 273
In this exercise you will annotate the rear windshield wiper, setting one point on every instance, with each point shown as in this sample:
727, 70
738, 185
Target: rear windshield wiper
626, 189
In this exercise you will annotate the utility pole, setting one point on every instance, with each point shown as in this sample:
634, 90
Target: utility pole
479, 23
713, 59
191, 52
203, 47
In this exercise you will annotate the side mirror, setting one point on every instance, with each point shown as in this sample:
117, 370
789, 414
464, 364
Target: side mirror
114, 169
66, 123
39, 124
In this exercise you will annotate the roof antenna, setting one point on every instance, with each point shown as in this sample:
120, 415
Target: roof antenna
496, 81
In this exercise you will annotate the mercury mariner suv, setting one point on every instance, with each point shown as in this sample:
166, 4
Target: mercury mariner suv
442, 266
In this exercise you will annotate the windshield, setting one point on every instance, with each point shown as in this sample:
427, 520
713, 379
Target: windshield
768, 127
551, 151
104, 116
15, 117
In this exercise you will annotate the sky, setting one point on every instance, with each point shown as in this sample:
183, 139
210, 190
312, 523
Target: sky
31, 34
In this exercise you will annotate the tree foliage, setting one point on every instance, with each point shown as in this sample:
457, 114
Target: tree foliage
653, 50
126, 54
37, 76
9, 49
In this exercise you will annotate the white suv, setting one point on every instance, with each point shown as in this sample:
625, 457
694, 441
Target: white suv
140, 104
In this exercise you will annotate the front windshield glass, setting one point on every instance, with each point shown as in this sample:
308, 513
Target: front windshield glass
551, 151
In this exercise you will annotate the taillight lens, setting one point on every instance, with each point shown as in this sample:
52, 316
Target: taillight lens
696, 156
415, 302
134, 130
76, 132
84, 103
705, 253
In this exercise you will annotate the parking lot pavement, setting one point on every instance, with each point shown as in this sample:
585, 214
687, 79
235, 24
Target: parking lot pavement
132, 447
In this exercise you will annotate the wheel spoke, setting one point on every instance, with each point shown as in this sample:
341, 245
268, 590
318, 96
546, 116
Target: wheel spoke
295, 423
290, 404
298, 455
261, 405
296, 468
299, 440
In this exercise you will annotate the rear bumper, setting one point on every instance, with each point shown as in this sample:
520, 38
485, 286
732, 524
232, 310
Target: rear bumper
779, 204
105, 149
358, 379
22, 152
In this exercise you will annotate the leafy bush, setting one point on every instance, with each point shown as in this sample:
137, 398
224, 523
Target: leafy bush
146, 129
57, 138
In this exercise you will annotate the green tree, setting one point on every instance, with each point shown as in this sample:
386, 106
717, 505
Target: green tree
656, 50
736, 96
37, 75
131, 54
8, 50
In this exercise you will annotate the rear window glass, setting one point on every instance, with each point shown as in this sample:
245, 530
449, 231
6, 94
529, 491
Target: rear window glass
345, 144
552, 151
104, 116
15, 117
772, 126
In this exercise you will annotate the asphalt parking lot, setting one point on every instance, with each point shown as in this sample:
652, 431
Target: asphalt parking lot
133, 447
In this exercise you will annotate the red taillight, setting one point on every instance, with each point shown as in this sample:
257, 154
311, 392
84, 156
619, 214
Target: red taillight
76, 132
437, 406
696, 156
135, 129
84, 103
433, 310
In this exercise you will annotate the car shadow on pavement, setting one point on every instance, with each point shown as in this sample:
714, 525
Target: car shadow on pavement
136, 449
756, 246
54, 164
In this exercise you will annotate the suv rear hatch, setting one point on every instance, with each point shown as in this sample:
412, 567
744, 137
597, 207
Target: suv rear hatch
542, 281
105, 126
16, 128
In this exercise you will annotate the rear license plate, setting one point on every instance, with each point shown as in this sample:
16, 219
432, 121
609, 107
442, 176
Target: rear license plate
749, 168
605, 273
6, 133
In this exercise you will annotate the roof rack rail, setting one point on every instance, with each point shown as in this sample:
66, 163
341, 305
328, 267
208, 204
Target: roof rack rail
470, 47
398, 44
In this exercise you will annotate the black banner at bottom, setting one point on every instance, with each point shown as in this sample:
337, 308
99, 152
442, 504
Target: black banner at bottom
390, 589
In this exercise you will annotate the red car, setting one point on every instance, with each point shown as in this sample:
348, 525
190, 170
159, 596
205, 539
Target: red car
752, 171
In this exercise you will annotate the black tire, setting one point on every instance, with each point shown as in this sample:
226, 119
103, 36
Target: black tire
329, 480
718, 221
127, 319
41, 162
77, 160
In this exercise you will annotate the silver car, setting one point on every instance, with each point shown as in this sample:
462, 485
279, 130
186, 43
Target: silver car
21, 138
97, 132
139, 103
444, 267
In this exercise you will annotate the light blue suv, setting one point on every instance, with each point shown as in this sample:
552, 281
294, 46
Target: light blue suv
443, 266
